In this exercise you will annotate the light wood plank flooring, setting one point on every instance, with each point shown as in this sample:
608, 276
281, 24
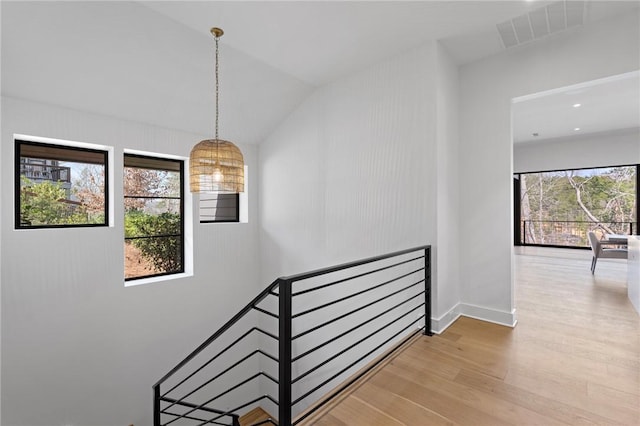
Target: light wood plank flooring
573, 358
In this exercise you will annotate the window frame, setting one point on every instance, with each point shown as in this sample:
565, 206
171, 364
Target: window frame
181, 171
18, 143
236, 219
518, 241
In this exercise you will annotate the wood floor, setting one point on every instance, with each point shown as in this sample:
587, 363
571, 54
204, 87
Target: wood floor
573, 358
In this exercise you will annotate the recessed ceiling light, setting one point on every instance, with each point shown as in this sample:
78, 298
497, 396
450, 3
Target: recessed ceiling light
576, 129
577, 105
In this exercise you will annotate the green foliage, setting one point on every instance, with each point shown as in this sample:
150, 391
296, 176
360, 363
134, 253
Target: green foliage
46, 203
160, 245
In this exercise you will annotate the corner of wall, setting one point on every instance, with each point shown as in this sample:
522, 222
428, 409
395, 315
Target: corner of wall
447, 257
441, 323
495, 316
0, 224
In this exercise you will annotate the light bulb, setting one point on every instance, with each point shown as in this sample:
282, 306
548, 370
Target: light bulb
217, 175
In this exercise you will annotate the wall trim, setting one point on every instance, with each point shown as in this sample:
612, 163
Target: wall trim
495, 316
440, 324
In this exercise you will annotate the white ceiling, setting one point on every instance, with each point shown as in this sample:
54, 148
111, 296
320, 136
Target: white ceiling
332, 38
608, 104
153, 61
318, 41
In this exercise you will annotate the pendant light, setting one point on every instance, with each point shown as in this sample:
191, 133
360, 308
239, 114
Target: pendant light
216, 165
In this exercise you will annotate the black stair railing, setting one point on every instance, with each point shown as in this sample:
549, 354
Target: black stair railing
329, 327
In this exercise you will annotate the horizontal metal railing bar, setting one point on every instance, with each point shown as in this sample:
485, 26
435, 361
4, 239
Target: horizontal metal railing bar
354, 277
180, 416
270, 377
217, 376
218, 396
362, 324
323, 271
353, 345
566, 233
266, 333
240, 407
351, 296
232, 344
264, 311
355, 378
355, 362
231, 389
346, 314
192, 405
237, 317
268, 355
557, 246
602, 222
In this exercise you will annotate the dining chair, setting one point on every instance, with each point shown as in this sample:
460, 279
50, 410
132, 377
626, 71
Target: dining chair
600, 251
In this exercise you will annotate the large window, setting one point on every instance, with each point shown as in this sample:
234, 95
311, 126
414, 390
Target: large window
154, 216
59, 186
559, 208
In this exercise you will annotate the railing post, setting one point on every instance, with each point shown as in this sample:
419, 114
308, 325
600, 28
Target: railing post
156, 405
284, 354
427, 292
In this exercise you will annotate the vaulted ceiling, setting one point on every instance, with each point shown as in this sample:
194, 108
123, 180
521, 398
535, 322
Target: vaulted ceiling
153, 61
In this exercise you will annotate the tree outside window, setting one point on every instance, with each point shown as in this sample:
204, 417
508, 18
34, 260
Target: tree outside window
153, 221
60, 186
560, 207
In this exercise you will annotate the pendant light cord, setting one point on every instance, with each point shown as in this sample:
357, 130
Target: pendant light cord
217, 87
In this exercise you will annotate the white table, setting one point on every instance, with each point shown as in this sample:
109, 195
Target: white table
633, 268
617, 238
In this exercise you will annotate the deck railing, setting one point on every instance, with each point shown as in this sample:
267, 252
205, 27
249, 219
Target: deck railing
557, 233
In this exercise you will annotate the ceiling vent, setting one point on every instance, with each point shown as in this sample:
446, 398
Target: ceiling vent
541, 22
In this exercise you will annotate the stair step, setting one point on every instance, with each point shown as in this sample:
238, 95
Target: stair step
257, 415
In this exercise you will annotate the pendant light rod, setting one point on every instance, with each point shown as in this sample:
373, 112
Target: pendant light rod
217, 33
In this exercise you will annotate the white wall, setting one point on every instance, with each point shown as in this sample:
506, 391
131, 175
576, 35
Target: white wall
1, 223
447, 292
78, 347
614, 148
352, 174
487, 87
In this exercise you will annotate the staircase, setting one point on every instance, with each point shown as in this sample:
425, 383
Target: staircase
256, 417
299, 343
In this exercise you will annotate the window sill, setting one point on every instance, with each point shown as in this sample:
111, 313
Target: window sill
152, 280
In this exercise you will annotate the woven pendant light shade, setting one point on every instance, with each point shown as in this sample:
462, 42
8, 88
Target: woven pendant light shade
216, 165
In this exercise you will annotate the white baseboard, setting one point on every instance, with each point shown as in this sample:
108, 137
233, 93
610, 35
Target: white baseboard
440, 324
495, 316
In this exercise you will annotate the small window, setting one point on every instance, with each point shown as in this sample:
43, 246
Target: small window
154, 216
219, 208
59, 186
